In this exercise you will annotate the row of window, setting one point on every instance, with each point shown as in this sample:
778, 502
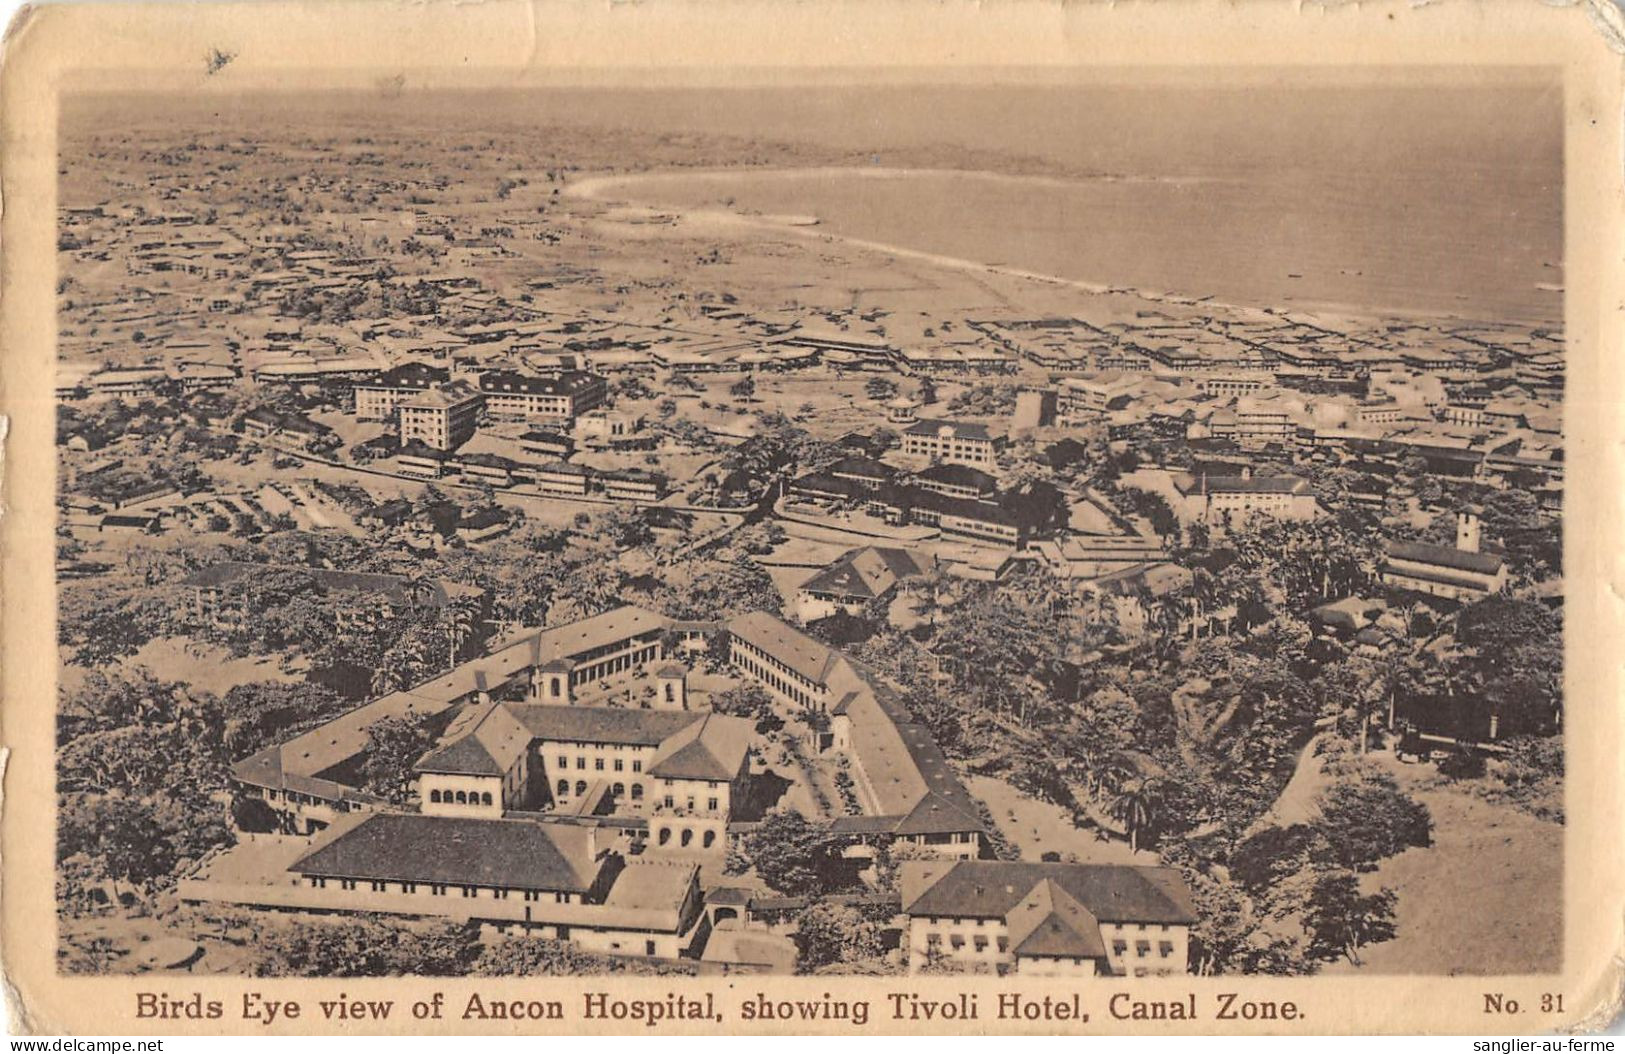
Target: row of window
598, 764
933, 943
670, 802
979, 944
439, 889
460, 797
562, 790
686, 838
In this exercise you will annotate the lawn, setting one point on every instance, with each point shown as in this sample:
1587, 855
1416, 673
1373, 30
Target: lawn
204, 667
1036, 827
1486, 898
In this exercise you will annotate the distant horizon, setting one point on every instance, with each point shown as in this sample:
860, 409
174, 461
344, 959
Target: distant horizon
1431, 195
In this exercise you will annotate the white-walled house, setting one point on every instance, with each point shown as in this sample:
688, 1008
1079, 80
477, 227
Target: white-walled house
1047, 920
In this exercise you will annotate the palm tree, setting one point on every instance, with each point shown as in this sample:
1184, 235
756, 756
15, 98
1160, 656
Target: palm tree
461, 617
927, 590
387, 676
420, 589
1135, 807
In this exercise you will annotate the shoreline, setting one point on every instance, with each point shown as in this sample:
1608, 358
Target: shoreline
596, 188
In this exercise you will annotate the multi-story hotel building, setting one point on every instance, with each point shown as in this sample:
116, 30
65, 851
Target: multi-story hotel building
953, 442
559, 398
376, 398
441, 418
1047, 920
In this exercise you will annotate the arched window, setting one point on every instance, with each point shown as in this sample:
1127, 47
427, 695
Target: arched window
564, 788
434, 796
581, 787
637, 792
462, 798
618, 789
485, 798
709, 839
688, 836
665, 835
671, 693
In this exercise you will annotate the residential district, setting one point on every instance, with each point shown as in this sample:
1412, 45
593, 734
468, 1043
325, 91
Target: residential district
422, 569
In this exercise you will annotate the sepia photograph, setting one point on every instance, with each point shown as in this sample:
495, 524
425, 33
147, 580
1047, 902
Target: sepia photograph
1010, 526
698, 532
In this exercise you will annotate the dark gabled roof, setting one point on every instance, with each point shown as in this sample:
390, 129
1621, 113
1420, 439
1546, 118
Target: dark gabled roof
959, 476
487, 740
1049, 921
1460, 581
959, 429
992, 888
455, 850
809, 658
936, 813
416, 447
1445, 556
465, 756
864, 573
583, 724
409, 375
980, 511
715, 749
864, 467
512, 381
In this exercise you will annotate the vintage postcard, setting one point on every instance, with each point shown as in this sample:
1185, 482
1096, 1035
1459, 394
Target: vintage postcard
782, 518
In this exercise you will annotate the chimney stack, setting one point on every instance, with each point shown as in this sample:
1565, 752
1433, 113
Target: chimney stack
1467, 531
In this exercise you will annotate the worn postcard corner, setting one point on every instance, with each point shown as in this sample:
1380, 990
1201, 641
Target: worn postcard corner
1027, 520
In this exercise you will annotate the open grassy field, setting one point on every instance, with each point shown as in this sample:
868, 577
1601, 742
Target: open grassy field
1486, 898
1037, 827
203, 667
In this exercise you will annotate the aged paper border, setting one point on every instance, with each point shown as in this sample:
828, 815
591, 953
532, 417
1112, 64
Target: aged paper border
507, 42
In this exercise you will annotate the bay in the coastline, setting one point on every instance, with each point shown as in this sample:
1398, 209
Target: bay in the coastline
1378, 242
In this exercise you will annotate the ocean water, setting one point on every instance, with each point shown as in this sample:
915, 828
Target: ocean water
1437, 192
1405, 243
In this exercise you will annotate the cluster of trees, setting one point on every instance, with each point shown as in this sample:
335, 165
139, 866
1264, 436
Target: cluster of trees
142, 774
749, 701
795, 856
1292, 896
984, 400
845, 938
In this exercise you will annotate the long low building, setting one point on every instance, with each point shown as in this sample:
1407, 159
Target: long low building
219, 593
906, 786
1459, 573
523, 877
